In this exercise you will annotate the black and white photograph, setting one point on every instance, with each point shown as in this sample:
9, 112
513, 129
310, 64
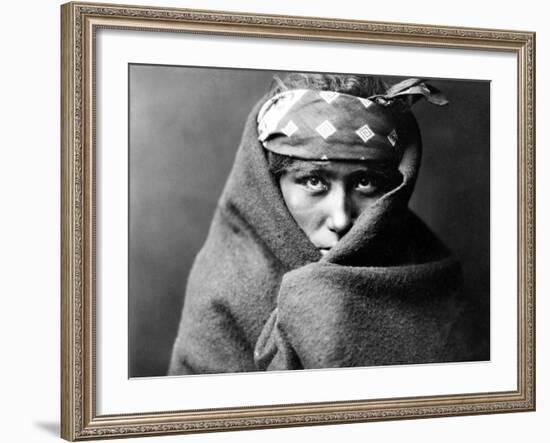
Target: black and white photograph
305, 220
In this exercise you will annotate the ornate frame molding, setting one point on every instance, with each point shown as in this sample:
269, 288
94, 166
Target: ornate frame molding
78, 413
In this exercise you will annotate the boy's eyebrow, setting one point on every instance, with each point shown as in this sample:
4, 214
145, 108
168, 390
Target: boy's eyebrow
308, 167
303, 166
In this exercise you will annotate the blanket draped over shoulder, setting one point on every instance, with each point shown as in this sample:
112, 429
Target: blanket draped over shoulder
261, 297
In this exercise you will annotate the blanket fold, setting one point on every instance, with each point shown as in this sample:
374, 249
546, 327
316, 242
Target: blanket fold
336, 316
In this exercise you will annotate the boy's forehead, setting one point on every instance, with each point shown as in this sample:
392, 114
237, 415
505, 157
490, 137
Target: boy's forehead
329, 166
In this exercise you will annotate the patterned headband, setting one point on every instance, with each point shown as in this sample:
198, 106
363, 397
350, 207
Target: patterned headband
328, 125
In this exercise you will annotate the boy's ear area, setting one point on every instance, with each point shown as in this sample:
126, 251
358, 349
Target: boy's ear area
278, 163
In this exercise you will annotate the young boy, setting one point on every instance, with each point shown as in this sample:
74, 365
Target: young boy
313, 259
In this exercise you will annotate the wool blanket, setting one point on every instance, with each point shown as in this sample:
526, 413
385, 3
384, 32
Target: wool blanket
260, 296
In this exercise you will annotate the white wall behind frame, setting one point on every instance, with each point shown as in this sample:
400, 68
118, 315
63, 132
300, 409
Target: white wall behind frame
29, 135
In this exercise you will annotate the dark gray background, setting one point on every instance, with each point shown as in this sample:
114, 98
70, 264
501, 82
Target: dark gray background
185, 127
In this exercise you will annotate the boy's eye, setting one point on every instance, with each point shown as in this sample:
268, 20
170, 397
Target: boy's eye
314, 183
367, 184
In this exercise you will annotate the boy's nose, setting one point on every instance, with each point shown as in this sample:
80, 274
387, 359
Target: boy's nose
340, 214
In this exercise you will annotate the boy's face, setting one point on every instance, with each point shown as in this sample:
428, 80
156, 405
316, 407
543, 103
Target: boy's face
325, 198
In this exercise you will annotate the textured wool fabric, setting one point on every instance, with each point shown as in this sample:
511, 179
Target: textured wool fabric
261, 297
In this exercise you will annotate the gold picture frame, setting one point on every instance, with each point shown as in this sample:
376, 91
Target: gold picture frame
80, 21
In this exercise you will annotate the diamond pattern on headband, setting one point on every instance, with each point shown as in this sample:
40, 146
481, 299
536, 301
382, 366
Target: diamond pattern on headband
325, 129
273, 111
366, 102
392, 137
328, 96
365, 133
289, 129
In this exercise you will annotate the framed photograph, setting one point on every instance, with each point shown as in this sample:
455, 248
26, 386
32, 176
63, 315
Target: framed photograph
282, 221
